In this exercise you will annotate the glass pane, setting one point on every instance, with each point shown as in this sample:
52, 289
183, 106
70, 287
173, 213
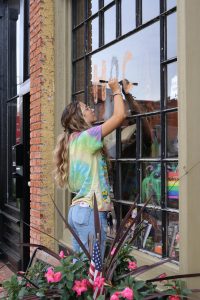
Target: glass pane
107, 2
80, 75
14, 40
172, 85
172, 134
79, 41
80, 97
129, 186
151, 136
128, 15
172, 177
136, 58
171, 35
14, 152
171, 3
173, 235
78, 11
110, 142
128, 139
93, 34
151, 183
110, 25
151, 237
150, 9
93, 7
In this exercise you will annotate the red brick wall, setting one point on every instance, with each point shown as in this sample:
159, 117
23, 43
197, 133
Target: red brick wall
41, 119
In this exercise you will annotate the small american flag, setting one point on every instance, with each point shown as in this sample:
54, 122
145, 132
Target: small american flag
95, 269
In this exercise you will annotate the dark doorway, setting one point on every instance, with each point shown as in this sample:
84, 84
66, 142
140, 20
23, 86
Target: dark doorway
14, 137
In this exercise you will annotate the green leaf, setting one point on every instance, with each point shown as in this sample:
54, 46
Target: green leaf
139, 284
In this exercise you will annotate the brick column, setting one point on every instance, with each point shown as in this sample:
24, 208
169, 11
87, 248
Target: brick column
41, 119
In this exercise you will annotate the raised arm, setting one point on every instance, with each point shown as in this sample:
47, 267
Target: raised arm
118, 115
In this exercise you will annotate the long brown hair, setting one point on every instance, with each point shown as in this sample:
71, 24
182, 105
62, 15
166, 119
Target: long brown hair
72, 120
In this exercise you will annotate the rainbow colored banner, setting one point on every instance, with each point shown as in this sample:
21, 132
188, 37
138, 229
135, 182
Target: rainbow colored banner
173, 185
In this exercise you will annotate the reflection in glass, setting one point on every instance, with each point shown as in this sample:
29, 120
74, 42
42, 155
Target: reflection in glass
14, 40
11, 156
171, 35
79, 11
93, 7
172, 85
151, 136
136, 58
151, 183
128, 15
172, 177
128, 139
110, 25
80, 75
172, 134
80, 97
173, 236
150, 9
151, 237
79, 44
107, 2
110, 142
171, 3
93, 34
129, 186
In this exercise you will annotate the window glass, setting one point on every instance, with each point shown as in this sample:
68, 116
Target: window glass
171, 35
80, 97
172, 85
93, 34
151, 136
150, 9
129, 186
13, 49
79, 42
172, 134
173, 236
109, 25
136, 58
78, 11
80, 75
14, 152
128, 139
107, 2
172, 185
171, 3
151, 237
128, 15
93, 7
151, 183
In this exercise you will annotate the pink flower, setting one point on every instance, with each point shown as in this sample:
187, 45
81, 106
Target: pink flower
99, 282
127, 293
113, 251
132, 265
174, 297
53, 277
80, 286
115, 296
61, 254
163, 275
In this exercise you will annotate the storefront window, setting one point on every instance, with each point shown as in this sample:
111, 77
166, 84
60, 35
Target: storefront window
136, 40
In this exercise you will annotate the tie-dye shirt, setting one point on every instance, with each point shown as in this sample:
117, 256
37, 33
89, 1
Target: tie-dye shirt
88, 169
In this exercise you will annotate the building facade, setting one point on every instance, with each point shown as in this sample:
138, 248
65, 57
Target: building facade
74, 45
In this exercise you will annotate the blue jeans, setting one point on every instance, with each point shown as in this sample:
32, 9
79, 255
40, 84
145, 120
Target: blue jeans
81, 219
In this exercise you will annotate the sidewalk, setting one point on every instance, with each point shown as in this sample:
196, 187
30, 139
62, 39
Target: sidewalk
5, 273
